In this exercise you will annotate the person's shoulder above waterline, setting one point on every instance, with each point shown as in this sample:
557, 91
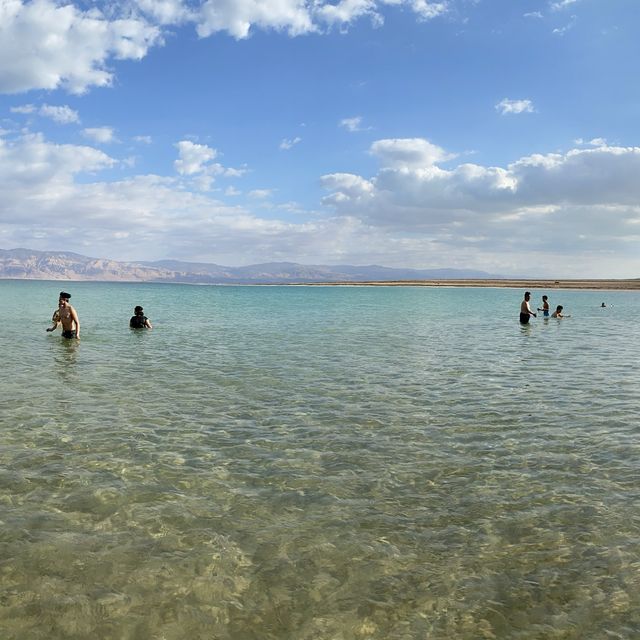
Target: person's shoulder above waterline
139, 320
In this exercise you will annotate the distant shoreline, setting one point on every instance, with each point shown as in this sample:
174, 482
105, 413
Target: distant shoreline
604, 285
595, 285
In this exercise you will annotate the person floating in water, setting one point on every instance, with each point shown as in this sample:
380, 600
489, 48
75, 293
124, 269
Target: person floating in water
525, 309
67, 316
603, 305
545, 306
139, 320
558, 312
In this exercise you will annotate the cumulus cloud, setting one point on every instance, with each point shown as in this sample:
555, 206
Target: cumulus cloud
409, 152
561, 210
101, 135
237, 17
193, 157
297, 17
45, 45
347, 11
507, 106
195, 161
166, 12
62, 114
48, 44
34, 171
536, 201
428, 10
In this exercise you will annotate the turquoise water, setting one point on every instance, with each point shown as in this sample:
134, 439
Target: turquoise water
319, 463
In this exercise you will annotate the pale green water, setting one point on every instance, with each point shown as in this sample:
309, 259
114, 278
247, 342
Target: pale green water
319, 463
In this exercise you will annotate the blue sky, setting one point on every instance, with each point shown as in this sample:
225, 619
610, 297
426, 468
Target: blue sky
499, 135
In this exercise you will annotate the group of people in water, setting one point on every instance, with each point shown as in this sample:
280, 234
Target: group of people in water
67, 316
526, 311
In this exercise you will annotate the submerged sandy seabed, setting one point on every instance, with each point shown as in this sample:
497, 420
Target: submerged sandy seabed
518, 284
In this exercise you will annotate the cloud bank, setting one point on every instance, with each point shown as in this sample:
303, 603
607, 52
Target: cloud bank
49, 45
416, 210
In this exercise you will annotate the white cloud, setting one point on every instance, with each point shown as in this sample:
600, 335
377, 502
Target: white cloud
409, 152
560, 31
195, 161
166, 12
61, 114
540, 202
35, 171
101, 135
347, 11
260, 194
287, 144
44, 45
352, 124
237, 17
298, 17
428, 10
193, 157
533, 14
561, 4
349, 184
143, 139
24, 109
507, 106
559, 211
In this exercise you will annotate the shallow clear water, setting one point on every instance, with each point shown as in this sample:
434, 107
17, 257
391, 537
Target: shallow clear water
319, 463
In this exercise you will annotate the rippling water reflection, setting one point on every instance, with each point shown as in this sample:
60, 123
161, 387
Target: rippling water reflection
320, 463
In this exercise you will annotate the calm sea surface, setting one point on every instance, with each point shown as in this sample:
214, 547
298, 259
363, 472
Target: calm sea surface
319, 463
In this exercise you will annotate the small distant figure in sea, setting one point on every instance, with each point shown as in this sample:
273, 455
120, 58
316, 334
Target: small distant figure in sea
67, 316
525, 309
603, 305
545, 306
558, 312
139, 320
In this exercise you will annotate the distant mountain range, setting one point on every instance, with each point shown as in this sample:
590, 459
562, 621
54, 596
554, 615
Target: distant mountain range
62, 265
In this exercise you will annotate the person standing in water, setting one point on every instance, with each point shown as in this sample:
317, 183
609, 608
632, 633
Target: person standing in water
67, 316
139, 320
525, 309
545, 306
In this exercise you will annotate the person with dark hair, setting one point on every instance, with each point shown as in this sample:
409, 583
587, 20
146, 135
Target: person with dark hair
525, 309
545, 306
67, 316
558, 312
139, 320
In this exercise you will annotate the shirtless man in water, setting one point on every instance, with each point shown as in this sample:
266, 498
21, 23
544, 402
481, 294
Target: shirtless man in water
525, 309
66, 316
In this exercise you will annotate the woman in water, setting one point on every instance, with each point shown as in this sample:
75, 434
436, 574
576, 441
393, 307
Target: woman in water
139, 320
